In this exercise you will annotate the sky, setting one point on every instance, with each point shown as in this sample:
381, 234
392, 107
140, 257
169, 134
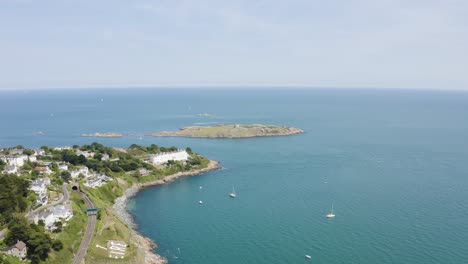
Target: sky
264, 43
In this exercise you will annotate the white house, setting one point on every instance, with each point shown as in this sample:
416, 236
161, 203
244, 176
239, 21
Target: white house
18, 250
62, 166
43, 170
15, 161
10, 169
86, 154
82, 170
179, 155
32, 158
39, 186
97, 181
39, 152
62, 212
42, 199
105, 157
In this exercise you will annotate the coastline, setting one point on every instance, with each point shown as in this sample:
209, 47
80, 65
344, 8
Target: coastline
121, 212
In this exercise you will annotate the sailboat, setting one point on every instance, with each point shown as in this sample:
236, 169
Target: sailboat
331, 214
233, 194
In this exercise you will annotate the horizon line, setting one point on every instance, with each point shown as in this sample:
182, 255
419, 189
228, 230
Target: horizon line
225, 87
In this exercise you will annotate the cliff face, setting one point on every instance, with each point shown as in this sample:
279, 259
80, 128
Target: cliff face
231, 131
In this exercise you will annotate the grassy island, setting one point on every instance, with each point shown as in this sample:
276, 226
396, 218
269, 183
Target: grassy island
107, 176
231, 131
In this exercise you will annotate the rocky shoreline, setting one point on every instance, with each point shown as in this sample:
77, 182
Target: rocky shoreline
120, 209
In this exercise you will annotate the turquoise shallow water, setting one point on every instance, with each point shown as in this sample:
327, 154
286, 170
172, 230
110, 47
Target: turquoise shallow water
393, 163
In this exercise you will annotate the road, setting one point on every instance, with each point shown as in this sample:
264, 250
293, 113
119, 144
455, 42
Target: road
30, 216
88, 235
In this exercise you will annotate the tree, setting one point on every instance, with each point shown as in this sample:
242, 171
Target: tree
28, 151
81, 159
65, 175
189, 151
58, 227
13, 196
54, 166
27, 166
57, 245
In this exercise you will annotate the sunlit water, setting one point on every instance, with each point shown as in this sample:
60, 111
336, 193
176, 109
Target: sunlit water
393, 163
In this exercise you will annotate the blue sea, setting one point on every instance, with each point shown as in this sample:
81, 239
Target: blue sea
394, 164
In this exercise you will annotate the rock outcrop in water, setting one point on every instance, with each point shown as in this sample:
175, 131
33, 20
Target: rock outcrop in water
231, 131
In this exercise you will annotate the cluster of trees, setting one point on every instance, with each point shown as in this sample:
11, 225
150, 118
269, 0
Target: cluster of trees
152, 149
13, 197
2, 164
39, 243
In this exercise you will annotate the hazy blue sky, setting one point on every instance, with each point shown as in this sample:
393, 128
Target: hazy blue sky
353, 43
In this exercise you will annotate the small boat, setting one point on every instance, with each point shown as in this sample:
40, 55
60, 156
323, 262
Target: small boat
331, 214
200, 202
233, 194
308, 257
201, 187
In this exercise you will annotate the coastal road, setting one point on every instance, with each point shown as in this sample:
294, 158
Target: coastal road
88, 235
30, 216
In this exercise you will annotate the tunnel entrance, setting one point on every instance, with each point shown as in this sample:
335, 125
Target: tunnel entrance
75, 187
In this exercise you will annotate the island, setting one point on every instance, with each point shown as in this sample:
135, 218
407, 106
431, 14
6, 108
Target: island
230, 131
204, 115
103, 135
68, 204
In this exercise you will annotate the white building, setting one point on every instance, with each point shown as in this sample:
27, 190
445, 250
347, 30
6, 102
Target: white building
179, 155
39, 152
10, 169
62, 212
18, 250
43, 170
62, 166
39, 186
82, 170
86, 154
42, 199
32, 158
63, 148
97, 181
14, 161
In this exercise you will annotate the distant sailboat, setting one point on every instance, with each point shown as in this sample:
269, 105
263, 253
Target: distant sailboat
233, 194
308, 257
331, 214
200, 202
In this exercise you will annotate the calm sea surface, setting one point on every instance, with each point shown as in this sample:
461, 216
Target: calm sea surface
393, 163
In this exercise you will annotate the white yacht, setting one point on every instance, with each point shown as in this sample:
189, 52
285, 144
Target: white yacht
233, 193
331, 214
